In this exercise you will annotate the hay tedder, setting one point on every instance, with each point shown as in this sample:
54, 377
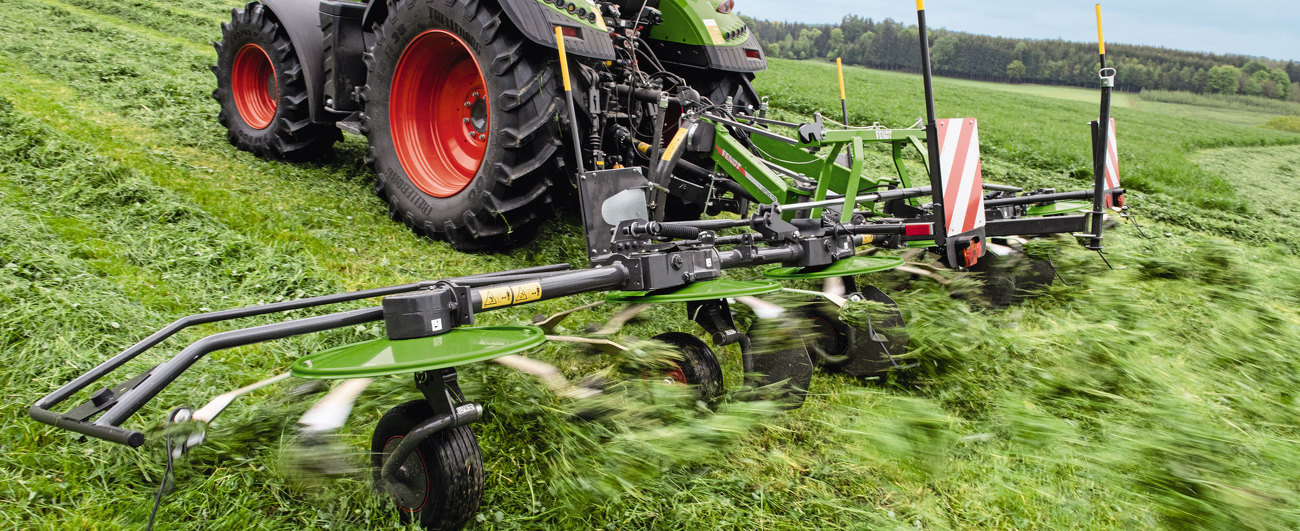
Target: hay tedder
483, 116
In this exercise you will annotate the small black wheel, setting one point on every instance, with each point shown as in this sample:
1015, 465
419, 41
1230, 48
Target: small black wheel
777, 363
698, 367
441, 483
262, 92
872, 346
832, 335
1013, 278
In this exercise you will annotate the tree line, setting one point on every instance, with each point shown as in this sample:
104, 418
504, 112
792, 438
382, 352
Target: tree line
891, 45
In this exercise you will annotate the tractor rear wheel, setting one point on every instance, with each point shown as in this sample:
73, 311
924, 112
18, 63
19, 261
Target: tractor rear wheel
262, 92
459, 111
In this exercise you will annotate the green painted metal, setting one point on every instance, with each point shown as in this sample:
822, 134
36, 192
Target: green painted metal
1058, 208
698, 23
749, 170
383, 356
854, 265
698, 291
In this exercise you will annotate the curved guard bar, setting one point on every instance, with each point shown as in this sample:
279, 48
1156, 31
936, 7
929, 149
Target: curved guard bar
106, 427
153, 381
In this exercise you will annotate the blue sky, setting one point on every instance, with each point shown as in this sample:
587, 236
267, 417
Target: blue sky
1269, 28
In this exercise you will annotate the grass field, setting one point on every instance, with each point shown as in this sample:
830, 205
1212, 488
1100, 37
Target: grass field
1160, 394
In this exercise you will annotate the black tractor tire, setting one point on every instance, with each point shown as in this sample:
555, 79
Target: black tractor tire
698, 366
513, 136
442, 481
262, 92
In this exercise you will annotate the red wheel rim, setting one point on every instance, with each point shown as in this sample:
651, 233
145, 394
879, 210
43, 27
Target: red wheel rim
438, 113
677, 375
252, 80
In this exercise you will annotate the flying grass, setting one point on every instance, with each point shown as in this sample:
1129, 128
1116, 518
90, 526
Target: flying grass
1161, 394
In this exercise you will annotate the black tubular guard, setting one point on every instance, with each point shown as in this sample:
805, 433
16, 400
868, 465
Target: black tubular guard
117, 404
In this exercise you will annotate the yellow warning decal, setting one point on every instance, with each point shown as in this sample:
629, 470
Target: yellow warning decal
508, 295
714, 32
527, 292
493, 297
672, 146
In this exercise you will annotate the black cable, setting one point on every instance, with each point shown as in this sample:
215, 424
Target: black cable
167, 474
1132, 216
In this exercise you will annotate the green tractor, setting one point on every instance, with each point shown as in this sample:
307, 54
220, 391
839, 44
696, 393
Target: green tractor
462, 101
484, 115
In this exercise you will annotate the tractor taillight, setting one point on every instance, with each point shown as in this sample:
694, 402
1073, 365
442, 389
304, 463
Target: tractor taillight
752, 53
569, 31
972, 253
726, 6
1119, 200
918, 229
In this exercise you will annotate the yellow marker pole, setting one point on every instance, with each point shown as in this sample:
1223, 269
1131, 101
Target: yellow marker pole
1101, 43
844, 104
568, 99
564, 58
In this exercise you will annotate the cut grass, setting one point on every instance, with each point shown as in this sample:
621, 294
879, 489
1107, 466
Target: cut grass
1044, 139
1159, 395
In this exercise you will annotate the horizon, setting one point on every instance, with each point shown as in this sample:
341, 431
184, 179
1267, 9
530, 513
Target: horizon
1259, 29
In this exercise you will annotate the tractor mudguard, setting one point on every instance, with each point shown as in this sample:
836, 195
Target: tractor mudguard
301, 20
695, 34
537, 19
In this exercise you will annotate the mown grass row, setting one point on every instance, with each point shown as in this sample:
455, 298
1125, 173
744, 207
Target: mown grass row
1046, 139
1158, 395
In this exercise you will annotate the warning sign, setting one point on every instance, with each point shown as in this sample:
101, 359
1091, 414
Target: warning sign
715, 33
526, 292
508, 295
493, 297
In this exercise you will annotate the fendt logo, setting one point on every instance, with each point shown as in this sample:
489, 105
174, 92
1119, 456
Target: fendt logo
729, 158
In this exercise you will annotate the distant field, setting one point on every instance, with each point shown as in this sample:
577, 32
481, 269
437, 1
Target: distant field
1160, 394
1118, 99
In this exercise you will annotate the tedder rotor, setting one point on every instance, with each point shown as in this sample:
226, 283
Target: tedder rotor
478, 111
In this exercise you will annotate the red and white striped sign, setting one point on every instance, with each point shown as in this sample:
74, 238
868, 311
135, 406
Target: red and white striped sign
1112, 161
959, 168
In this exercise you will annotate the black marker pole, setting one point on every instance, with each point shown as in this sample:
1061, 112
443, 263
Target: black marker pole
1101, 143
931, 130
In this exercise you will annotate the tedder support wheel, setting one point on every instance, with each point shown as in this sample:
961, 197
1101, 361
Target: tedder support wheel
262, 92
698, 367
460, 113
859, 351
441, 483
777, 365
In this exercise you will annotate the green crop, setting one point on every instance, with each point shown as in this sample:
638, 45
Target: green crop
1159, 394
